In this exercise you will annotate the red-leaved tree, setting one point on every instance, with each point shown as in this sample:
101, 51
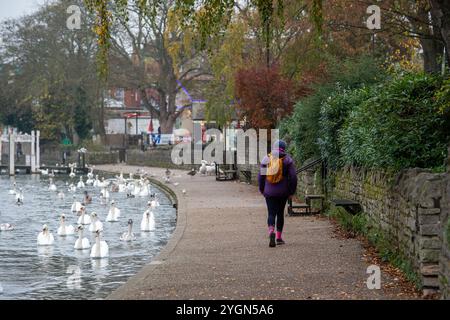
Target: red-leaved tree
264, 96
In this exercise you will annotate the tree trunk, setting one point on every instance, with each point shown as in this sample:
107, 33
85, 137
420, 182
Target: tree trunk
441, 11
432, 51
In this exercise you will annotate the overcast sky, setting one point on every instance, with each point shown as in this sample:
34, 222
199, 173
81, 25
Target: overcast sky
17, 8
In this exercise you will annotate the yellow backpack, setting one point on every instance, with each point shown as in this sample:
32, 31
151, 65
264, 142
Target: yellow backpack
274, 169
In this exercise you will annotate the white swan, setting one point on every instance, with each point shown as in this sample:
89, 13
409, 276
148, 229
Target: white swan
13, 191
210, 170
80, 183
45, 237
6, 227
44, 172
72, 173
19, 197
52, 186
114, 213
64, 230
129, 235
61, 195
154, 203
202, 169
84, 218
148, 220
96, 224
100, 249
96, 182
81, 243
144, 191
104, 193
76, 205
90, 174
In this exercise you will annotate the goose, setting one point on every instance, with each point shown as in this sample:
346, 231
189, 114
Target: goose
114, 213
6, 227
148, 221
81, 243
96, 224
19, 197
84, 218
100, 249
52, 186
129, 235
64, 230
80, 183
76, 206
13, 191
45, 237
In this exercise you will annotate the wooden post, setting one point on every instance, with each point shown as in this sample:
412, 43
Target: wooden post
38, 151
33, 152
12, 145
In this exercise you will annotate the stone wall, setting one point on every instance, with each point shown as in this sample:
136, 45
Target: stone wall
410, 209
158, 157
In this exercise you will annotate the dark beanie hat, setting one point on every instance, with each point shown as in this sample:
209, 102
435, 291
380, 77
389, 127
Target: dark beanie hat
279, 145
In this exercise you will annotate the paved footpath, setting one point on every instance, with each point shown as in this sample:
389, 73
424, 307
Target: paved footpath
219, 250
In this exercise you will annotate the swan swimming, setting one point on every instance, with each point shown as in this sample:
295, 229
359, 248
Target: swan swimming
114, 213
100, 249
52, 186
80, 183
84, 218
129, 235
13, 191
45, 237
96, 224
81, 243
104, 193
72, 173
64, 230
148, 221
76, 206
61, 195
19, 197
6, 227
90, 174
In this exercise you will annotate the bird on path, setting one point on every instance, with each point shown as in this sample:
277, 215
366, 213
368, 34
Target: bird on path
192, 172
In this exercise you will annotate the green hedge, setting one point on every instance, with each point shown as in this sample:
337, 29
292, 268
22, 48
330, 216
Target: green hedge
365, 117
396, 124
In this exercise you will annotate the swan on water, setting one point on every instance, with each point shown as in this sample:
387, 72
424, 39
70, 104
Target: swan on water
44, 172
96, 224
148, 220
72, 173
52, 186
84, 218
96, 182
114, 213
45, 237
129, 235
80, 183
13, 190
72, 188
90, 174
76, 206
104, 193
19, 197
100, 249
64, 230
81, 243
6, 227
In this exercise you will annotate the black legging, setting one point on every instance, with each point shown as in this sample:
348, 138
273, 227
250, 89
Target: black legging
275, 207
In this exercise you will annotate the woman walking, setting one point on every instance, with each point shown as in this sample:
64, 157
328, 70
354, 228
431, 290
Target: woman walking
277, 181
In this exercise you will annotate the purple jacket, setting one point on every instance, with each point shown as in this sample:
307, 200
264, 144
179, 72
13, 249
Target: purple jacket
286, 187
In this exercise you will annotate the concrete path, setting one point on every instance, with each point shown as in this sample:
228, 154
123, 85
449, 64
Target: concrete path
220, 250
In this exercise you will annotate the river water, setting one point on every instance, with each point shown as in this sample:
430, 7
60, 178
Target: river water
59, 271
